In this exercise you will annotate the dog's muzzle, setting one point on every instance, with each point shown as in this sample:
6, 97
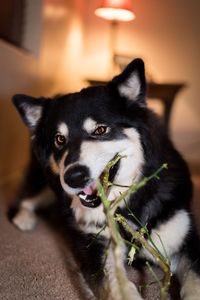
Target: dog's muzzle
78, 177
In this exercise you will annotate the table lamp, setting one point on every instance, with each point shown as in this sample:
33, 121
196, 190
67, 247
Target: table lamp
115, 11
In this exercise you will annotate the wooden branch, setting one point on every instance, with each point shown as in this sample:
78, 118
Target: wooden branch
135, 187
164, 265
116, 240
124, 290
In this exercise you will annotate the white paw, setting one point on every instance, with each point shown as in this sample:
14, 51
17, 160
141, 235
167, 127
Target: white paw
25, 220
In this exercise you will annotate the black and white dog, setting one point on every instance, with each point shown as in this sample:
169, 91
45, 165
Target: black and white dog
73, 138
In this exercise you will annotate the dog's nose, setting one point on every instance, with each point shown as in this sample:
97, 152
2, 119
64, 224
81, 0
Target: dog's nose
77, 176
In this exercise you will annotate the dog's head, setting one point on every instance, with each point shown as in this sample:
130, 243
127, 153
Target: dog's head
76, 135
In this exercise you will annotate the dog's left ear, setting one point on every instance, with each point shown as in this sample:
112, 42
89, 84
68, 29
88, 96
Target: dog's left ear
131, 83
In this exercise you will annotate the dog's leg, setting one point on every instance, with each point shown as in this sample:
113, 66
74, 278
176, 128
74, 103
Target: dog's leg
26, 218
34, 194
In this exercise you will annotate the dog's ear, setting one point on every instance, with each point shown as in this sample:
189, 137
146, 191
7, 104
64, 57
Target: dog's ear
131, 83
29, 108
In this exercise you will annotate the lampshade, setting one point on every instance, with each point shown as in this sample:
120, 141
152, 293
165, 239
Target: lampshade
115, 10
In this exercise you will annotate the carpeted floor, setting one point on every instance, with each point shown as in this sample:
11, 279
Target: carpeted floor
35, 265
39, 265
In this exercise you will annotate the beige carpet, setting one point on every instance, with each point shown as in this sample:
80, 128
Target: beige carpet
35, 265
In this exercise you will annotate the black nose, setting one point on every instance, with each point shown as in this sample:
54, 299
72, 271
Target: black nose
77, 176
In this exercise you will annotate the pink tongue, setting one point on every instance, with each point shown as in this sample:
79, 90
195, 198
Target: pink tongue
90, 189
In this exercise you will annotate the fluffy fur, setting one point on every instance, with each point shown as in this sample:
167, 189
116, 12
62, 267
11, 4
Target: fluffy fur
73, 137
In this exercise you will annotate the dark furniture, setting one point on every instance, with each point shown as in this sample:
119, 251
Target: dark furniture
163, 92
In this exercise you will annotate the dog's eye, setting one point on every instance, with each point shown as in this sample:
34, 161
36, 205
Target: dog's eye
60, 140
100, 130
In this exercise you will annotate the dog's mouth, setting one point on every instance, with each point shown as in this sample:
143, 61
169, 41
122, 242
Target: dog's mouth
89, 196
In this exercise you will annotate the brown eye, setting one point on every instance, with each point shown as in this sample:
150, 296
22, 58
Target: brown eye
60, 139
100, 130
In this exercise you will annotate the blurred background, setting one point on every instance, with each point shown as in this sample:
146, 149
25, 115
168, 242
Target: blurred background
55, 46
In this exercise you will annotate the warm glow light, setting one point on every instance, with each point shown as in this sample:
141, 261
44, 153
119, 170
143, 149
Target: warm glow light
115, 10
115, 14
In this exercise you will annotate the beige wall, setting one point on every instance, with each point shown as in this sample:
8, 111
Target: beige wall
75, 45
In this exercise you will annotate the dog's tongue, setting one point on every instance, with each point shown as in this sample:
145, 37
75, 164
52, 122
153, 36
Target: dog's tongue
90, 189
88, 196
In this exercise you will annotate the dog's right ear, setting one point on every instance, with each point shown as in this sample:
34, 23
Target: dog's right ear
29, 108
131, 83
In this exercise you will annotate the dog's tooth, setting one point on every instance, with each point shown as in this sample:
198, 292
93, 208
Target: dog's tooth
83, 196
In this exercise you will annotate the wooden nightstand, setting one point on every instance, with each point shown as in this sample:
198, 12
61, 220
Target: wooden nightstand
163, 92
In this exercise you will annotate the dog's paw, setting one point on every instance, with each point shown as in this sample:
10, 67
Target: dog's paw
25, 220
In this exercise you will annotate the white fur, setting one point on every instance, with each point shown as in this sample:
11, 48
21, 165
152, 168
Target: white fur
25, 220
88, 218
33, 114
171, 233
86, 214
63, 129
131, 165
131, 87
96, 155
89, 125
